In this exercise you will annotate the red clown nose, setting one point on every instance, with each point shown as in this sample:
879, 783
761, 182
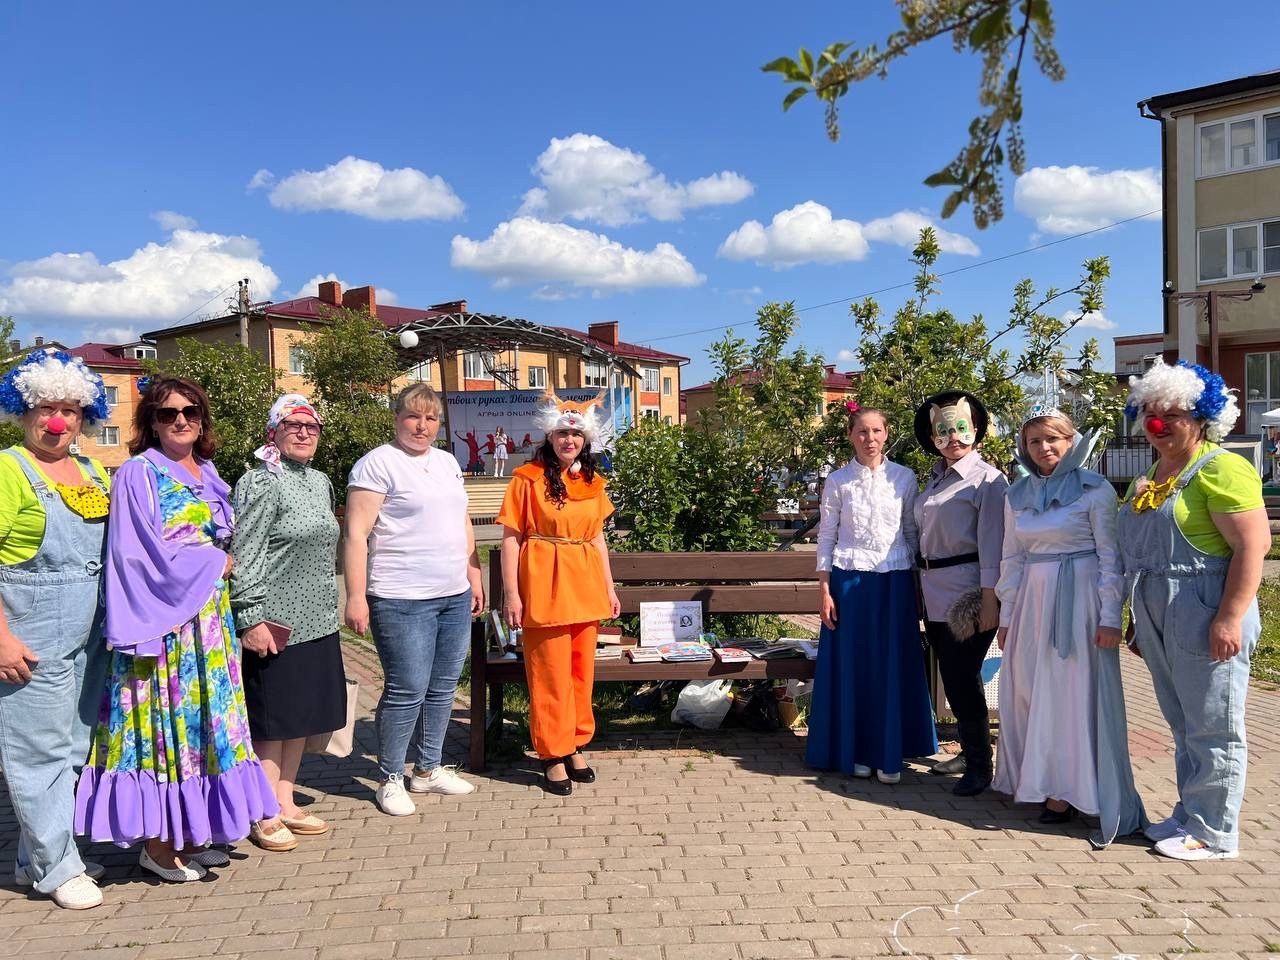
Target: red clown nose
56, 424
1155, 424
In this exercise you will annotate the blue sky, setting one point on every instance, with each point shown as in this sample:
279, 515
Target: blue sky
567, 162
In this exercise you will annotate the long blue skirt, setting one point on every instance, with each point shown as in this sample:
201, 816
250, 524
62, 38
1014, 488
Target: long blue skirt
870, 698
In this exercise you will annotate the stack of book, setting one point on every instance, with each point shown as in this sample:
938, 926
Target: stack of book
733, 655
684, 651
771, 650
644, 655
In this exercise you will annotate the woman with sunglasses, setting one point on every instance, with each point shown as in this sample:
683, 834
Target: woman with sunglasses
172, 762
285, 600
53, 507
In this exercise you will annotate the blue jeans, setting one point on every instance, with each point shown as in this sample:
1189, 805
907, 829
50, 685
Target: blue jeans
422, 645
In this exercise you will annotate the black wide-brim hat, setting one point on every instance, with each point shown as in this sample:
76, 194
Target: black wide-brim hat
948, 398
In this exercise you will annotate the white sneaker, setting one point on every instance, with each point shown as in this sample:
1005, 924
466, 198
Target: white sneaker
1163, 830
888, 777
440, 780
1186, 847
860, 771
392, 799
78, 893
94, 871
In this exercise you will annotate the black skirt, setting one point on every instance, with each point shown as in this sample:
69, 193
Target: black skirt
297, 693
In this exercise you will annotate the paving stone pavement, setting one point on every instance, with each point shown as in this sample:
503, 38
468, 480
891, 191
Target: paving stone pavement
704, 845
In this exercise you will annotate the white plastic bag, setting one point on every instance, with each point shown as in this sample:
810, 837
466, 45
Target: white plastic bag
703, 703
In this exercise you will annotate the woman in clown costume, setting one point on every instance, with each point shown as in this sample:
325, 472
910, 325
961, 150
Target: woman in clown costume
53, 509
1193, 533
172, 763
557, 585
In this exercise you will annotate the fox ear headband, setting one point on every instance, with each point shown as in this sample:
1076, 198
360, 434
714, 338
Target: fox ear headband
585, 416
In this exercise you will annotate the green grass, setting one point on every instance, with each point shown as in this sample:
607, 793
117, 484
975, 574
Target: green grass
1266, 658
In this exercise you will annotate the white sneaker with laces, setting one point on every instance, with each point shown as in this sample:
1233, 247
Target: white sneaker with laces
1186, 847
1163, 830
78, 893
860, 771
888, 777
94, 871
440, 780
392, 798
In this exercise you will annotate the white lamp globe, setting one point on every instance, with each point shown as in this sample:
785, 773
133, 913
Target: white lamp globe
408, 339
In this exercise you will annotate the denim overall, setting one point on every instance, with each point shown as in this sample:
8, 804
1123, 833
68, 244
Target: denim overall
52, 605
1175, 591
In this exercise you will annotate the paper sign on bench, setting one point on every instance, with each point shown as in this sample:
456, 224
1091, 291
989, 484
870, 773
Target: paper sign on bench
669, 621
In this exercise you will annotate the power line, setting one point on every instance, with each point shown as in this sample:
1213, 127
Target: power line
205, 304
945, 273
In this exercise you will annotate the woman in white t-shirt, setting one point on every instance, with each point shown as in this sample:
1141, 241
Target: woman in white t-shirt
412, 574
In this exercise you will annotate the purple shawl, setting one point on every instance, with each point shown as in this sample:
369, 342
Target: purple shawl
153, 586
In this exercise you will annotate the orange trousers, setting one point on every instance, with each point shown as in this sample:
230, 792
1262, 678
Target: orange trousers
560, 665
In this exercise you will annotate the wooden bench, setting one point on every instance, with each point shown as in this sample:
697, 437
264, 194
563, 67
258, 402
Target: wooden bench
758, 583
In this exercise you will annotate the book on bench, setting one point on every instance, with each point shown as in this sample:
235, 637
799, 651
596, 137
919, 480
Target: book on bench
684, 651
644, 655
771, 649
733, 655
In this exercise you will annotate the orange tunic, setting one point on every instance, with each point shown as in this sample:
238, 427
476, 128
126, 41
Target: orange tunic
560, 583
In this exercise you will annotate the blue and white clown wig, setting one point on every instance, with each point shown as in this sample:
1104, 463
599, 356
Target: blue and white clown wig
46, 377
1185, 386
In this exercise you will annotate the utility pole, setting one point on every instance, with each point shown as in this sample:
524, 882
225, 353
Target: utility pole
242, 303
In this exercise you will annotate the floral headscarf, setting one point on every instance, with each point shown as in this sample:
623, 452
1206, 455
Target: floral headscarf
288, 404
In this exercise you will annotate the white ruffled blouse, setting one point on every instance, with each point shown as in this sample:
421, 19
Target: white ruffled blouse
868, 519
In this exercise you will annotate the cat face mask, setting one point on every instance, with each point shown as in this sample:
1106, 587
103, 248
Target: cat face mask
954, 422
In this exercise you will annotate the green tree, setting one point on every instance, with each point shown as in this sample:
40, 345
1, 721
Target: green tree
10, 433
1001, 32
649, 486
241, 389
349, 364
925, 350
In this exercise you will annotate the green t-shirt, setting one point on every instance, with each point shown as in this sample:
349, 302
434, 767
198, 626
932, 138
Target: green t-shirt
1226, 484
21, 512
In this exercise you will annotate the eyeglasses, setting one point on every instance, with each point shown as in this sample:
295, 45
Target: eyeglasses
190, 413
302, 428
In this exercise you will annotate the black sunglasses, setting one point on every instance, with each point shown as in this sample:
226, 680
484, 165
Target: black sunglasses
190, 413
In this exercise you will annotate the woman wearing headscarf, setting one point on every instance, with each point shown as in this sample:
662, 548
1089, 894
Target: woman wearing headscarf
870, 698
1063, 734
53, 510
557, 585
960, 515
284, 596
1193, 534
172, 762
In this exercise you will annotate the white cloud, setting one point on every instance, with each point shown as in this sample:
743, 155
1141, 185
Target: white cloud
846, 356
109, 334
808, 233
553, 294
585, 177
1093, 321
170, 221
1073, 199
525, 250
903, 229
160, 281
263, 178
366, 189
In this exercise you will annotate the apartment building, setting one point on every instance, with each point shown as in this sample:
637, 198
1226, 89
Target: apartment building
836, 387
276, 330
1220, 157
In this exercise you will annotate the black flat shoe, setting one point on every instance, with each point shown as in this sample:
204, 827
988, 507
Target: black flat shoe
579, 774
1048, 816
561, 788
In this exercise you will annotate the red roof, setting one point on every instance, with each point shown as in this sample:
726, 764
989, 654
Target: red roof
313, 308
832, 381
624, 349
105, 355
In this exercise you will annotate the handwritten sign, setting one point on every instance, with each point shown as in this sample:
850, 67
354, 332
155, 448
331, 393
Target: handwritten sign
669, 621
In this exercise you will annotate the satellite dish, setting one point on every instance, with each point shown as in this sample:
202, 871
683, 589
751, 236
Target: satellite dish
408, 339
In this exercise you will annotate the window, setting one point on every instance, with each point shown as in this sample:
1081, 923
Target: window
650, 413
666, 386
538, 377
650, 379
1261, 388
295, 360
1213, 149
1228, 252
477, 366
1243, 153
1244, 250
113, 396
421, 372
108, 436
595, 374
1271, 133
1271, 247
144, 353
